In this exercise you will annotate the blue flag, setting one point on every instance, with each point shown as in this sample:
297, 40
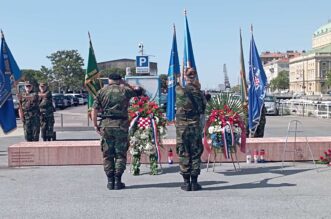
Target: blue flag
9, 72
188, 52
173, 71
257, 89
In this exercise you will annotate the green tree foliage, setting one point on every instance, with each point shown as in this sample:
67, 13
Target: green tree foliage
236, 89
328, 79
281, 82
67, 69
34, 76
164, 86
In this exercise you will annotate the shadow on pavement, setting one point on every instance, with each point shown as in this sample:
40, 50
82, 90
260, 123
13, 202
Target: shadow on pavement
260, 170
252, 185
171, 185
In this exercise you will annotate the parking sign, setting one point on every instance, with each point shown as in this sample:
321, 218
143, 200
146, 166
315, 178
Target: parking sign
142, 64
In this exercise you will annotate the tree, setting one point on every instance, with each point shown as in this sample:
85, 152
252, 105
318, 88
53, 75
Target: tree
67, 69
281, 82
164, 85
328, 79
235, 89
34, 76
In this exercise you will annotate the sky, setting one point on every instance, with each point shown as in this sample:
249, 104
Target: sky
36, 28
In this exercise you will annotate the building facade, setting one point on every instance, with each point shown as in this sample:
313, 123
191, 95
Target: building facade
308, 72
273, 68
273, 56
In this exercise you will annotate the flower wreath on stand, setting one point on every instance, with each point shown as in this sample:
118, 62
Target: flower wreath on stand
147, 126
224, 126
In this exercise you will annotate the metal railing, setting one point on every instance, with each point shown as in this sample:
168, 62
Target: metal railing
309, 109
72, 120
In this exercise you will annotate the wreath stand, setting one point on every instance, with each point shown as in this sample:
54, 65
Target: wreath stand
233, 162
296, 150
215, 156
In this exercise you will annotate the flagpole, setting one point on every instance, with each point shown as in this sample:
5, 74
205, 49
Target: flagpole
251, 134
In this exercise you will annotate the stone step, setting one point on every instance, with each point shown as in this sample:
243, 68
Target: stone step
89, 153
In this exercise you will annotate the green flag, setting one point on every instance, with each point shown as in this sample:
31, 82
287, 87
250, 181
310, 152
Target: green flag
243, 84
92, 82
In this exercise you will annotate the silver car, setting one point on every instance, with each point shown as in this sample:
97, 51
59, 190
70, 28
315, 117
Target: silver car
271, 103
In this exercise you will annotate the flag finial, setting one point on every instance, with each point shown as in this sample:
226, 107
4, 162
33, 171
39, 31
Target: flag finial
185, 12
89, 35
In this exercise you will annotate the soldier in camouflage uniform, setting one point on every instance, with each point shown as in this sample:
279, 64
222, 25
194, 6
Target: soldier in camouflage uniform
29, 113
46, 112
113, 102
190, 104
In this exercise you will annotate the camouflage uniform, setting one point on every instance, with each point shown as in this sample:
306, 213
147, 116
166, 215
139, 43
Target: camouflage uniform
46, 116
31, 123
113, 102
190, 104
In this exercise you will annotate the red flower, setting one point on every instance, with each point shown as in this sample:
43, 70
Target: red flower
326, 153
321, 158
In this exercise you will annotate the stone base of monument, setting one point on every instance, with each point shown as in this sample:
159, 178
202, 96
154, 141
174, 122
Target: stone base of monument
89, 153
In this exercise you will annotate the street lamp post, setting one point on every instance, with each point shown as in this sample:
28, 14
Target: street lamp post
303, 79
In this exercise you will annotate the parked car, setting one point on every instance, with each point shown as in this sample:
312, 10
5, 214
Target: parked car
79, 97
59, 100
85, 97
271, 105
67, 101
15, 101
74, 99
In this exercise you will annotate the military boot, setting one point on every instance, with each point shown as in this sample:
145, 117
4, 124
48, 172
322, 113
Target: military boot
118, 182
111, 181
187, 184
195, 186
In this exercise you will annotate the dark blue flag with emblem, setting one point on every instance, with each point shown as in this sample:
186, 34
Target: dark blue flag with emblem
257, 88
188, 61
9, 73
173, 71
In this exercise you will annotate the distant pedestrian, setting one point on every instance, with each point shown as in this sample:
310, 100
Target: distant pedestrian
46, 112
191, 105
111, 103
29, 113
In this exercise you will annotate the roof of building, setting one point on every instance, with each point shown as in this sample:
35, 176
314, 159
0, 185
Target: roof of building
272, 54
324, 49
282, 60
326, 28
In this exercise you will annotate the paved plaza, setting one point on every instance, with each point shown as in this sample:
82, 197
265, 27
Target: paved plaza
258, 191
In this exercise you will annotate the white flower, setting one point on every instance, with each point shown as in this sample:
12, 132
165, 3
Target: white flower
218, 128
211, 129
144, 135
157, 120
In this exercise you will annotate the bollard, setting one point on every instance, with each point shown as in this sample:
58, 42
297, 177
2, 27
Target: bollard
61, 121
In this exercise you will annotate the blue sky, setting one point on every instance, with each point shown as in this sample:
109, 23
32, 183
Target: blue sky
36, 28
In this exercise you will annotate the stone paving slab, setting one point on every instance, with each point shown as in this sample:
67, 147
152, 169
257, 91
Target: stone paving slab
258, 191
